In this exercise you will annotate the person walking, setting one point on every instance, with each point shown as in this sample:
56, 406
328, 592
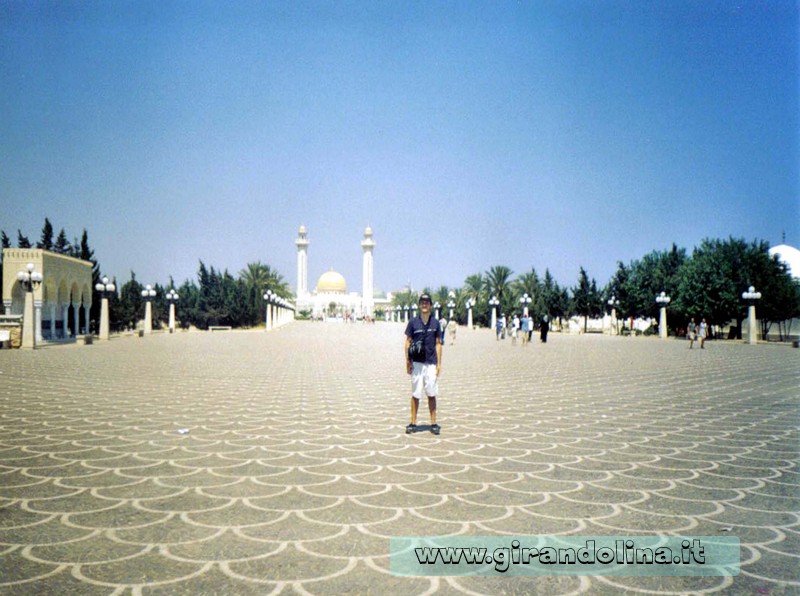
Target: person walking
526, 329
544, 329
452, 326
691, 332
702, 332
514, 329
423, 352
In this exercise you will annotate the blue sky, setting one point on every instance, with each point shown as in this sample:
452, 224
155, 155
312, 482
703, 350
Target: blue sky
467, 134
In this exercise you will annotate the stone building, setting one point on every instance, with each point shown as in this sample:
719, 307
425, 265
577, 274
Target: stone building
63, 300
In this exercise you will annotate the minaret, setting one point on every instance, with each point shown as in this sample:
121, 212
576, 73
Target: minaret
302, 262
367, 244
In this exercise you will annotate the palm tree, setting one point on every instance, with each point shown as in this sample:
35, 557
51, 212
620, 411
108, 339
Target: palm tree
528, 283
498, 282
475, 288
277, 284
256, 276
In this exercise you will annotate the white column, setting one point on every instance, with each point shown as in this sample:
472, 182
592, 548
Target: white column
86, 309
613, 321
52, 320
494, 318
367, 271
104, 325
76, 319
148, 317
28, 324
752, 325
268, 324
65, 319
302, 262
37, 308
662, 323
469, 318
172, 315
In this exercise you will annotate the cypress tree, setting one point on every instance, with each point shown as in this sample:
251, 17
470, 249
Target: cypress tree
46, 241
22, 241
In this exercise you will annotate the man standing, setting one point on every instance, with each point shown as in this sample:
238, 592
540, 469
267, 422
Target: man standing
423, 361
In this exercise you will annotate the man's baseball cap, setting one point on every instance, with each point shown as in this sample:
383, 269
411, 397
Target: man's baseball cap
425, 297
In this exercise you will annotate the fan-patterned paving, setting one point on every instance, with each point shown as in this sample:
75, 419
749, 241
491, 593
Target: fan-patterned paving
251, 462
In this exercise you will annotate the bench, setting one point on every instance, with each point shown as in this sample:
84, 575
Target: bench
219, 328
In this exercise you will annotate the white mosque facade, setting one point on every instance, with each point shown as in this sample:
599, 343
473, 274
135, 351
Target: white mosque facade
330, 298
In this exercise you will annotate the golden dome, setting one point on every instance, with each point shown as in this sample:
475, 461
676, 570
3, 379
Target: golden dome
331, 282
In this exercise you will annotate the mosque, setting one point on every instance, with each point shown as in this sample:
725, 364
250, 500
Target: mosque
330, 298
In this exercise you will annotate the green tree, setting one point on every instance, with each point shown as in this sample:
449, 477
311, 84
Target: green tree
528, 283
5, 240
497, 282
619, 288
476, 288
46, 241
713, 280
256, 279
115, 321
656, 272
62, 245
22, 241
187, 310
130, 308
586, 300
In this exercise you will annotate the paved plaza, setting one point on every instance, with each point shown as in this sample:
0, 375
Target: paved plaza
249, 462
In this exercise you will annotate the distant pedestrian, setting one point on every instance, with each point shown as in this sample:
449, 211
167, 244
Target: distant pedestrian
452, 326
527, 324
691, 332
514, 329
443, 327
702, 332
544, 329
499, 327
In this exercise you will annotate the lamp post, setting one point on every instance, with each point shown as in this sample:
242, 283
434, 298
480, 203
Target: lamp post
268, 296
662, 300
148, 294
405, 310
173, 297
105, 288
752, 328
613, 303
413, 310
493, 302
525, 301
470, 303
451, 295
436, 306
30, 280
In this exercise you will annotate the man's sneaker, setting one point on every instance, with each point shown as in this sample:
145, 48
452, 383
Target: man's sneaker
436, 429
411, 428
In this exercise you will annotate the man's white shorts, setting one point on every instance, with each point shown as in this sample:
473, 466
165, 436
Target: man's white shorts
423, 380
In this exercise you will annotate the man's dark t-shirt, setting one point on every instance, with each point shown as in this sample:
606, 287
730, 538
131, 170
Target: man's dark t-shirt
416, 329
